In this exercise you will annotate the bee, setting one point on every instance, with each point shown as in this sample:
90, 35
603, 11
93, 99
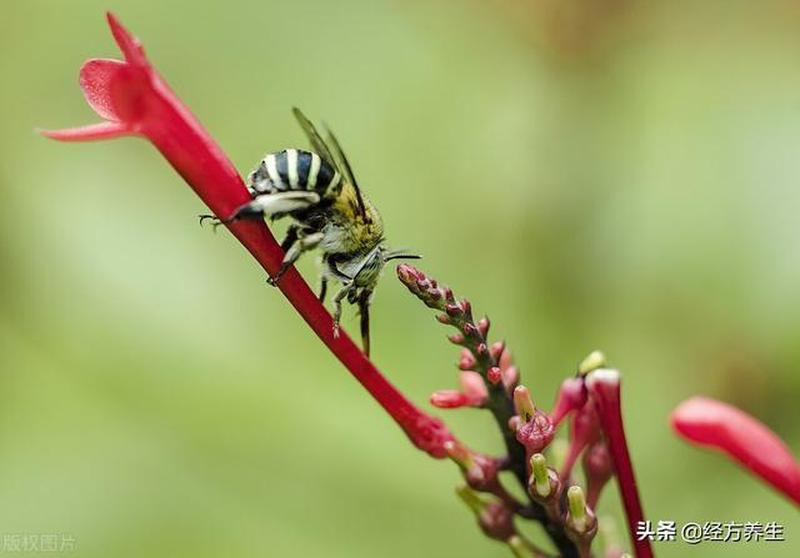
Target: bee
319, 192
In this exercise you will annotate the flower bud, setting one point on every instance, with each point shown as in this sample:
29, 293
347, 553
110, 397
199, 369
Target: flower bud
480, 471
473, 386
495, 519
543, 482
424, 288
537, 433
593, 361
523, 403
456, 338
449, 399
496, 350
452, 310
598, 467
467, 360
471, 330
483, 326
510, 378
494, 375
581, 522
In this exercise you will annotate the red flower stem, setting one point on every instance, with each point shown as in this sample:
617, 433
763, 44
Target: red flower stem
604, 387
222, 196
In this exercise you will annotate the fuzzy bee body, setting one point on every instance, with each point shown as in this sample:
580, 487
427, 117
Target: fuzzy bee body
318, 191
294, 169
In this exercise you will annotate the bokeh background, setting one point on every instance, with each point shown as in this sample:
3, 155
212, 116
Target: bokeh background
619, 175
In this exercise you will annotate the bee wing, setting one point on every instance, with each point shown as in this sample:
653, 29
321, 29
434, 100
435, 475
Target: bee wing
343, 165
317, 143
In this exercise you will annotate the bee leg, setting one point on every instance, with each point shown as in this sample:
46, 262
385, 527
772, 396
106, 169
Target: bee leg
215, 221
302, 244
323, 280
337, 301
290, 238
363, 310
282, 202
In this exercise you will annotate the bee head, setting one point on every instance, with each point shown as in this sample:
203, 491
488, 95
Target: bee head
373, 264
258, 181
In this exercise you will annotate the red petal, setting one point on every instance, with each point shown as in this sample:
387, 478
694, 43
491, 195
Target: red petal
129, 45
99, 131
715, 424
95, 80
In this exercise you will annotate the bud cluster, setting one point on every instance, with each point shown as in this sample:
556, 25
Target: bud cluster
488, 378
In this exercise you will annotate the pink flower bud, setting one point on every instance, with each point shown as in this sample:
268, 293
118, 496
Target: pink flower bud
537, 433
510, 378
497, 349
506, 359
497, 521
599, 468
473, 387
494, 375
456, 339
449, 399
471, 331
452, 310
467, 360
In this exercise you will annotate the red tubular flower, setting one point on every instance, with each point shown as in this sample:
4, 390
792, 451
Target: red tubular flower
584, 430
604, 389
571, 397
714, 424
134, 100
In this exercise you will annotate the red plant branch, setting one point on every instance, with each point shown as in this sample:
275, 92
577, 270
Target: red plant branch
135, 100
711, 423
604, 389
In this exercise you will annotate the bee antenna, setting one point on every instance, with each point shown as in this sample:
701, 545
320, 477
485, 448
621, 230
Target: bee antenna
401, 255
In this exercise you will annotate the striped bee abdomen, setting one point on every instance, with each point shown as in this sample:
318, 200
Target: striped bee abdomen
294, 169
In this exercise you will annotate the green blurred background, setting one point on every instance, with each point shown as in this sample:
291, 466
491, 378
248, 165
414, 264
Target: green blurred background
617, 175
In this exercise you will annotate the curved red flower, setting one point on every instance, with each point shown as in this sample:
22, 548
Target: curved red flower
715, 424
134, 100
